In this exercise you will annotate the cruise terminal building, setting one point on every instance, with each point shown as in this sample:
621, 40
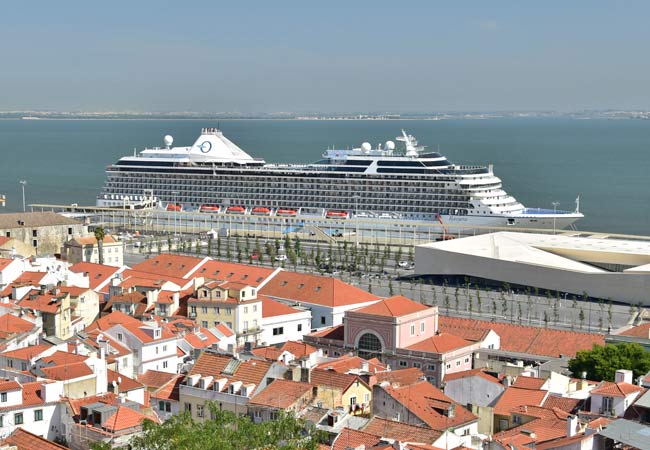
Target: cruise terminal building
572, 263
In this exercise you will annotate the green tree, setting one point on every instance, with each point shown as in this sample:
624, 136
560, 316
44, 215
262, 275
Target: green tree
100, 234
227, 431
581, 317
601, 362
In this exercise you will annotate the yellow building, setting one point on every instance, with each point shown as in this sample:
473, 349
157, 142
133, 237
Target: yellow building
53, 306
234, 304
341, 390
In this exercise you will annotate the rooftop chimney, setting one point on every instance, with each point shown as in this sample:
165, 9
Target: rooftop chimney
572, 425
623, 376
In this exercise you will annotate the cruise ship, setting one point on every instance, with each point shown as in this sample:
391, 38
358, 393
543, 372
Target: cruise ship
388, 181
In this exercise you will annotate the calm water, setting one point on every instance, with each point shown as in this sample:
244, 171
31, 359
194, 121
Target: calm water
539, 160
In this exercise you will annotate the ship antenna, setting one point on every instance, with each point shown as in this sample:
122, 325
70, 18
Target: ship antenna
578, 204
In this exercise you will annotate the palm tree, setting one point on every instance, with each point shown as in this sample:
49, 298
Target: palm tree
99, 235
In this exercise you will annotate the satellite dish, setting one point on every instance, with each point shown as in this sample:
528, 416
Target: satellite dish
366, 147
169, 140
390, 145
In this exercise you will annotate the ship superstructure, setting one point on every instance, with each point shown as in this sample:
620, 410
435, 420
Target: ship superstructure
215, 175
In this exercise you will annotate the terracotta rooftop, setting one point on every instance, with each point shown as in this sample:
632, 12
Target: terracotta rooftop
330, 378
29, 278
59, 358
401, 431
273, 308
315, 289
566, 404
125, 384
170, 265
232, 272
470, 373
169, 390
271, 352
97, 273
524, 382
616, 389
251, 371
155, 379
27, 353
133, 278
24, 440
67, 372
537, 430
524, 339
400, 377
353, 439
336, 333
10, 325
45, 303
201, 338
281, 394
123, 419
347, 363
91, 240
430, 405
32, 393
9, 385
639, 331
393, 307
298, 349
513, 397
440, 343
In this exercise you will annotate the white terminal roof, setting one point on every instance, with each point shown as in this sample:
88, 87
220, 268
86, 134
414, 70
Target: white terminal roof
562, 251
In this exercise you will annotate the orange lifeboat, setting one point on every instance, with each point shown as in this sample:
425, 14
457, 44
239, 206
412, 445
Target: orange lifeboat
337, 215
261, 211
286, 212
174, 207
236, 210
209, 208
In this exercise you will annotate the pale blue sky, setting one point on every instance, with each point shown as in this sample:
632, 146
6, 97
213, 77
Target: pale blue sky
340, 56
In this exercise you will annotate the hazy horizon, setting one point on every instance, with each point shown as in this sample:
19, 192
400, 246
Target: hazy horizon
366, 57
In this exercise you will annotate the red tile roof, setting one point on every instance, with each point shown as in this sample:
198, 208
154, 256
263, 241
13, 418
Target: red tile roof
470, 373
155, 379
271, 353
566, 404
92, 240
67, 372
10, 324
169, 390
352, 439
537, 430
616, 389
32, 393
27, 352
281, 394
513, 397
330, 378
24, 440
30, 278
525, 382
272, 308
347, 363
59, 358
640, 331
9, 385
440, 343
133, 278
400, 377
225, 271
123, 419
298, 349
401, 431
98, 273
169, 265
524, 339
314, 289
202, 338
393, 307
46, 303
125, 384
336, 333
109, 321
251, 371
429, 404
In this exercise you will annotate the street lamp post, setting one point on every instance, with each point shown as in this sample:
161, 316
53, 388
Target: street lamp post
356, 219
555, 205
23, 183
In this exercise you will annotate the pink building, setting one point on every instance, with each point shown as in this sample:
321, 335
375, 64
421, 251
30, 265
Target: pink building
403, 334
